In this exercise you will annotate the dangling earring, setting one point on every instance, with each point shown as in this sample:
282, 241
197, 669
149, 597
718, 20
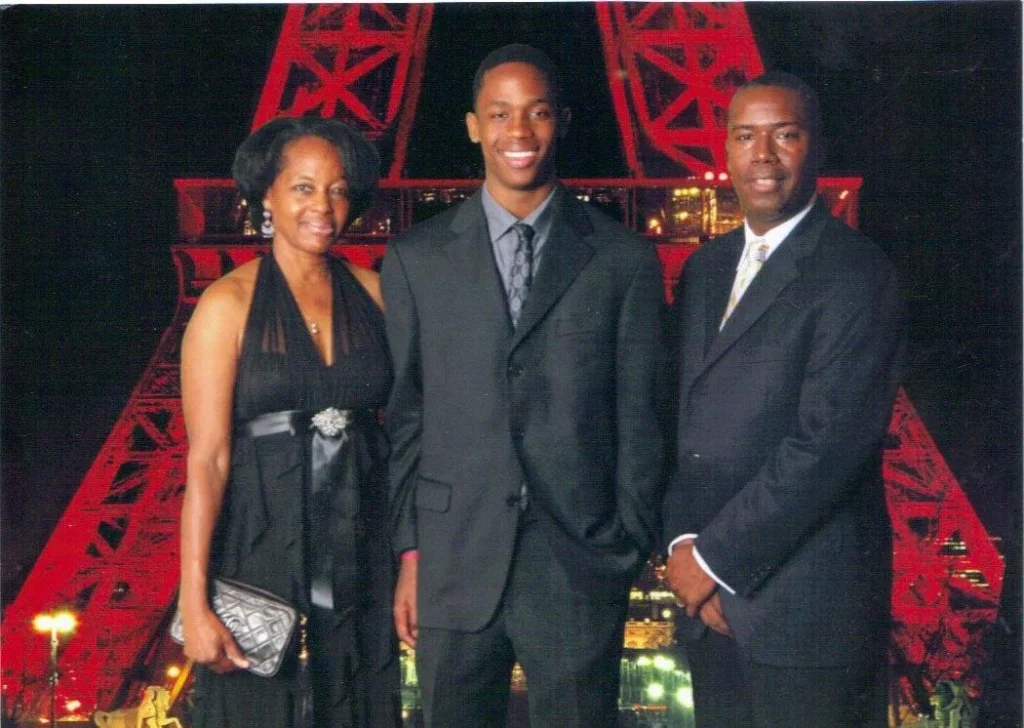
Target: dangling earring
267, 228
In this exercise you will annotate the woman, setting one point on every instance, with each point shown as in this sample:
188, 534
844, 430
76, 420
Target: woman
272, 499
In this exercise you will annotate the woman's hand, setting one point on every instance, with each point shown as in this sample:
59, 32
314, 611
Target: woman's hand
209, 643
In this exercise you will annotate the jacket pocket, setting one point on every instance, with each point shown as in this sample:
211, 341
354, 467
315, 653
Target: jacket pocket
432, 495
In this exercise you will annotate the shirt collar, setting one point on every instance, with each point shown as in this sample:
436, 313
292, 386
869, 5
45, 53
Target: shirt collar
499, 220
774, 237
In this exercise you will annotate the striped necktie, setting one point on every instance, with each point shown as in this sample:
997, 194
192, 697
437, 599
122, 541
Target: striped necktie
756, 255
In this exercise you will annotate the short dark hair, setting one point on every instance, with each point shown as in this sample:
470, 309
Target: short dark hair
258, 160
520, 53
784, 79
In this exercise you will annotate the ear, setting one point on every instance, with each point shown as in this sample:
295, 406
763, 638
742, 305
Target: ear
564, 117
473, 127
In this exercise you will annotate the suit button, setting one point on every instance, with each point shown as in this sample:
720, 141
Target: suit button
515, 371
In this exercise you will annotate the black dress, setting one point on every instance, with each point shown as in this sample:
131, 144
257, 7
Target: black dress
304, 511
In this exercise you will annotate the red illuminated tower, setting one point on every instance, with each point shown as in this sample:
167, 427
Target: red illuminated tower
361, 63
671, 68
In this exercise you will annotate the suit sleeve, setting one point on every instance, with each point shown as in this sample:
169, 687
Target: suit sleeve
640, 445
405, 405
845, 404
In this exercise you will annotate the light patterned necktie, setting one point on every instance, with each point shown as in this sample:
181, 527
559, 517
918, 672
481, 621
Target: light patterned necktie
752, 262
521, 274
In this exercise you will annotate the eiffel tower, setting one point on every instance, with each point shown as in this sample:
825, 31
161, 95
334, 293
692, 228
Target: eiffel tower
671, 69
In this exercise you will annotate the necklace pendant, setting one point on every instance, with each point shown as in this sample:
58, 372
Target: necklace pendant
314, 327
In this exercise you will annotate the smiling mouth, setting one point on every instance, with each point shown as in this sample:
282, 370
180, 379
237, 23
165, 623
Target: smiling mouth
520, 159
320, 228
765, 184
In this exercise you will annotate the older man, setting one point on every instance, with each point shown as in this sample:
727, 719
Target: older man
791, 339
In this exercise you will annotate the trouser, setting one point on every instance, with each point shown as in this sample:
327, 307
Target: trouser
730, 690
569, 645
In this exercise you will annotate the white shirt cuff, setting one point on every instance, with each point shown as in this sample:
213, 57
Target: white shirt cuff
679, 539
700, 560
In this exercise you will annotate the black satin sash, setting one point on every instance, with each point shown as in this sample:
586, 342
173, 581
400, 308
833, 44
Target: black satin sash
334, 465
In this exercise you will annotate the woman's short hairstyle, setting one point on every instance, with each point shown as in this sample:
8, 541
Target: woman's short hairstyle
259, 159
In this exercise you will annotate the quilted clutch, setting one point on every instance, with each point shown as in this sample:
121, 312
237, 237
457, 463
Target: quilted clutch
262, 623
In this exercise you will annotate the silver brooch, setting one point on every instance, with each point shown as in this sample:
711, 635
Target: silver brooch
331, 422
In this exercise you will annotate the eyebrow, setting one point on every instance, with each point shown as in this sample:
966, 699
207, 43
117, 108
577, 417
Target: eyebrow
533, 102
774, 125
302, 177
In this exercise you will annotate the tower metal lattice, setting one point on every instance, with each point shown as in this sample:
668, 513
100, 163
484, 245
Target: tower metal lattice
671, 68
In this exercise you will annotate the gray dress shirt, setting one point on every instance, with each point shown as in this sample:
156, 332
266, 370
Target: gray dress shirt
503, 237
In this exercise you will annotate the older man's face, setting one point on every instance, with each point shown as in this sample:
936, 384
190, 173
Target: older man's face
772, 154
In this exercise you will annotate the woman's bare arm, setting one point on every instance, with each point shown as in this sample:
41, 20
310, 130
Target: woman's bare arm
209, 361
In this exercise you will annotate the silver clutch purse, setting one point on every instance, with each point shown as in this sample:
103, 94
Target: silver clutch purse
262, 623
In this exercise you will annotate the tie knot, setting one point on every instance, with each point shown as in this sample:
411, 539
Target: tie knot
524, 232
759, 250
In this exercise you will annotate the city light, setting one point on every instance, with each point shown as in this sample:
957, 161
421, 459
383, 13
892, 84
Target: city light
656, 691
56, 623
173, 671
684, 696
709, 176
664, 663
661, 595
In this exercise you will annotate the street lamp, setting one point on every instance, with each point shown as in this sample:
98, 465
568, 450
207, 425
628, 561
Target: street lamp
56, 624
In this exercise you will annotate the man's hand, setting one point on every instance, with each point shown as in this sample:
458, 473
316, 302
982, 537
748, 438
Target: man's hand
690, 583
712, 615
405, 612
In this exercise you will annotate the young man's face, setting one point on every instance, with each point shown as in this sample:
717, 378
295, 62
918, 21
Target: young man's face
515, 122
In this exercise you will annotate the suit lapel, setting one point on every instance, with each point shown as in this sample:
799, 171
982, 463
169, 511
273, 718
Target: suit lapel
469, 251
722, 271
781, 269
776, 274
565, 255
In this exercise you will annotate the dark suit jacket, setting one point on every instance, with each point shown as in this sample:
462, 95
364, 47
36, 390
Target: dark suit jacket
564, 403
782, 420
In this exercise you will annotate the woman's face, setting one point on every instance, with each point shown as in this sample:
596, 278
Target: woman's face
309, 197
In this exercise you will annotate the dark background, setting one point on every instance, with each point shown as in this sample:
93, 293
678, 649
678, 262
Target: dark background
102, 107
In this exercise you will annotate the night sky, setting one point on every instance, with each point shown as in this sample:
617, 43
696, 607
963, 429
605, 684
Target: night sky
102, 107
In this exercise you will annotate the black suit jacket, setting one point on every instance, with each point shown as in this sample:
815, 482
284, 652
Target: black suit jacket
564, 403
782, 420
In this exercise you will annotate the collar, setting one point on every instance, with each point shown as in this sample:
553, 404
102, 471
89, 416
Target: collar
499, 220
774, 237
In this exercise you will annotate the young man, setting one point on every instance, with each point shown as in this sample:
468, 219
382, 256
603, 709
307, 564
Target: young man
524, 328
791, 342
